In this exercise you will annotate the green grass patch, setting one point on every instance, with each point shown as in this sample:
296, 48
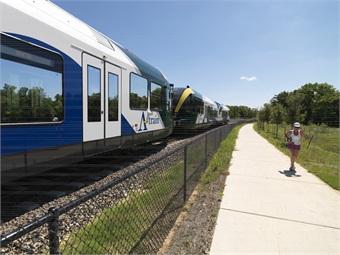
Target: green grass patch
116, 230
221, 160
320, 158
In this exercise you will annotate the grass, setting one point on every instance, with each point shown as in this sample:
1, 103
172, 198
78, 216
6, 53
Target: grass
221, 160
320, 158
116, 230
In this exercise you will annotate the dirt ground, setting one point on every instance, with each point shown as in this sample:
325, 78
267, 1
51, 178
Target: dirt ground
194, 228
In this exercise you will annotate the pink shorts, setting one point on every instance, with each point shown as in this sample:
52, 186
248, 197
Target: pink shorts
293, 146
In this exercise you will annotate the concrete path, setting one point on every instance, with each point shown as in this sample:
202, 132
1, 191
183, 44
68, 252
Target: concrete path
265, 210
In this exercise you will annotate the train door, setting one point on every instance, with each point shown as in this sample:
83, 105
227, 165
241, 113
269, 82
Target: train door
93, 98
112, 100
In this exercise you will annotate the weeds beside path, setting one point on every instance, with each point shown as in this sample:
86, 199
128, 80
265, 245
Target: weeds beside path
195, 226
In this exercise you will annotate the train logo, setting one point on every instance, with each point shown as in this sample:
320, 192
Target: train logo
151, 120
142, 123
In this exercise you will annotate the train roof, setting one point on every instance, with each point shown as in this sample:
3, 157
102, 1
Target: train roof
207, 100
179, 97
179, 91
225, 108
222, 106
56, 17
145, 68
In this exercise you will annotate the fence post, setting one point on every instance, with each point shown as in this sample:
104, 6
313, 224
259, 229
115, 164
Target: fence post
185, 174
53, 231
206, 150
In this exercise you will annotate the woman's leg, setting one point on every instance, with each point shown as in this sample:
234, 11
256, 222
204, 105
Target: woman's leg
296, 154
292, 158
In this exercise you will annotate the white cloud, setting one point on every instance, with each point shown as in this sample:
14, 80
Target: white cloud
248, 78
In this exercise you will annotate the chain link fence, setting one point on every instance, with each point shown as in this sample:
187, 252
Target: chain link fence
132, 214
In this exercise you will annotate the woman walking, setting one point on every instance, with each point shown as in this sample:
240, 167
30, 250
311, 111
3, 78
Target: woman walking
293, 137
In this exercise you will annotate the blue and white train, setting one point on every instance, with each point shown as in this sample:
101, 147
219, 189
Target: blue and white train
68, 91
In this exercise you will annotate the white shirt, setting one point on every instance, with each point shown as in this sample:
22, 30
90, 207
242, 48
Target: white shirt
296, 139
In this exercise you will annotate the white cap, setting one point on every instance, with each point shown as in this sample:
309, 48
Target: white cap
297, 124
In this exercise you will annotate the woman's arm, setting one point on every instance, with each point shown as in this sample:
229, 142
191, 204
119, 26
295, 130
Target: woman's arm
301, 133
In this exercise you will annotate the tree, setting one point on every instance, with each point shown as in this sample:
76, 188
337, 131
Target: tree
234, 112
280, 98
242, 111
295, 107
266, 109
277, 115
263, 115
321, 103
312, 103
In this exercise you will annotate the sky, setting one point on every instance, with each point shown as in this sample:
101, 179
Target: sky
235, 52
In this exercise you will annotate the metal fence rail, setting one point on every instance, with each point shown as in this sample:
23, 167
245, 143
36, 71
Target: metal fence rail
132, 214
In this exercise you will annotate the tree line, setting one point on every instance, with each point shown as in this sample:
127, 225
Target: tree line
313, 103
241, 111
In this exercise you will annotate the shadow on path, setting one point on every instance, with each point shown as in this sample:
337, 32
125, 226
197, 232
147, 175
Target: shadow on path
289, 173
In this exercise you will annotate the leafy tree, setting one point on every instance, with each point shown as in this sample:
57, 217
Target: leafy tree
233, 112
241, 111
266, 113
295, 108
277, 115
280, 98
263, 115
312, 103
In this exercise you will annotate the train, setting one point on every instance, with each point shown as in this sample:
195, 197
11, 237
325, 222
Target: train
193, 111
69, 92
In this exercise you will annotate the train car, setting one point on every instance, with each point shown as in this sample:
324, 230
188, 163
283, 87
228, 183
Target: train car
211, 111
219, 118
192, 110
68, 91
223, 114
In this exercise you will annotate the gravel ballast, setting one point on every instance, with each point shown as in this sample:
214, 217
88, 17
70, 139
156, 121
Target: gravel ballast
194, 229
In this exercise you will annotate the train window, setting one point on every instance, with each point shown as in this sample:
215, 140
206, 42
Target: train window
156, 94
212, 113
113, 97
93, 94
138, 92
215, 113
201, 111
168, 98
31, 83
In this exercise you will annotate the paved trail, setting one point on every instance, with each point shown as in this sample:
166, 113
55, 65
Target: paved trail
266, 210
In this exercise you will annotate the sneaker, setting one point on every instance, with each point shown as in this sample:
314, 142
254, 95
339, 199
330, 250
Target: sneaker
292, 168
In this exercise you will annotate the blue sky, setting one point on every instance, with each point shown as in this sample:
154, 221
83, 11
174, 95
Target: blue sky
235, 52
